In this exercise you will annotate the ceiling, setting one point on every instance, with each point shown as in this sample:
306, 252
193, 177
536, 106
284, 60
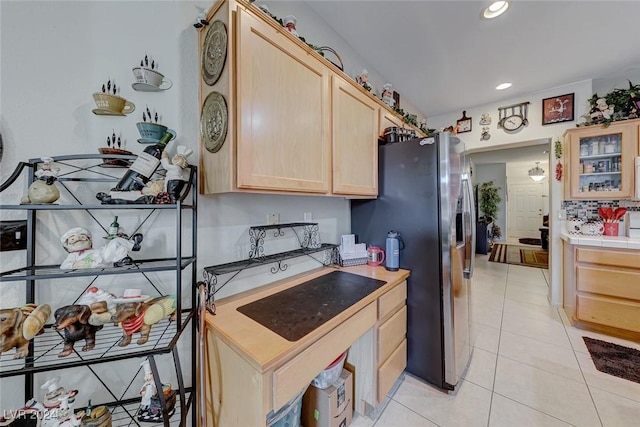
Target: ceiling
443, 57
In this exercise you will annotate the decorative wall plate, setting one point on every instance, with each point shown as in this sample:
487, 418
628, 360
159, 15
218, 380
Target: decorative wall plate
214, 52
213, 121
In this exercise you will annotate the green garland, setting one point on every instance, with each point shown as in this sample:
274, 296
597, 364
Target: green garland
558, 149
411, 119
625, 104
281, 22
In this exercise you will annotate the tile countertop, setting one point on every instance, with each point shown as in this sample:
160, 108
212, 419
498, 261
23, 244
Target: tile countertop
603, 241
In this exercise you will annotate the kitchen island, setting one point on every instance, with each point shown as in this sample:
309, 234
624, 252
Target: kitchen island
600, 283
252, 371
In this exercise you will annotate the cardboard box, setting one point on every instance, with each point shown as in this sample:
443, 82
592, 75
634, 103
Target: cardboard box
331, 407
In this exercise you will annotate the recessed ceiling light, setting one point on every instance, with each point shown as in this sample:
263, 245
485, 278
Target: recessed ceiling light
495, 9
503, 86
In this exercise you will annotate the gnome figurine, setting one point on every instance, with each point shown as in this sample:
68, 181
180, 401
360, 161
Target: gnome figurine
177, 173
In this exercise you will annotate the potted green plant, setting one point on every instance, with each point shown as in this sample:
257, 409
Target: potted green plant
489, 202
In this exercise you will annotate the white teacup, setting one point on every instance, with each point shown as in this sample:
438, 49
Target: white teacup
151, 77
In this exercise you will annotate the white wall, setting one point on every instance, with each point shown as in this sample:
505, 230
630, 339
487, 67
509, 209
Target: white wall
315, 31
54, 56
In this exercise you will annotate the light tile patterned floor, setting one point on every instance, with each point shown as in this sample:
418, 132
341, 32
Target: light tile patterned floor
530, 367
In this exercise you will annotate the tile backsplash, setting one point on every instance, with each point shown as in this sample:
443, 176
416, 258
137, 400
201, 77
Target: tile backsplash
591, 206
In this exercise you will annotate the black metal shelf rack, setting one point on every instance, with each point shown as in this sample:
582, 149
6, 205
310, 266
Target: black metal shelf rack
78, 170
309, 244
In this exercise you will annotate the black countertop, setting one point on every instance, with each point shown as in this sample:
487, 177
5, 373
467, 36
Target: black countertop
295, 312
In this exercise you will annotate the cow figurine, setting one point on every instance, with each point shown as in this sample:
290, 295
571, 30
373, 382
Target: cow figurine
139, 313
74, 319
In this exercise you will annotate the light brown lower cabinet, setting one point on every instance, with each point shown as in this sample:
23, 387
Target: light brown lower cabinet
381, 354
602, 289
243, 385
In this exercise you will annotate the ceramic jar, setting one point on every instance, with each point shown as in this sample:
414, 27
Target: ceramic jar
592, 228
573, 226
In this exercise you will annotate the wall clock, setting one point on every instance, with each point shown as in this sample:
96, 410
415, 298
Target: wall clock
512, 118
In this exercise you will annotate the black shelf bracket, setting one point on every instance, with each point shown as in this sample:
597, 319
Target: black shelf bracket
309, 245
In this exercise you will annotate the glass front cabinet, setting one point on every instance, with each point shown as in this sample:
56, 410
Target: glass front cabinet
600, 161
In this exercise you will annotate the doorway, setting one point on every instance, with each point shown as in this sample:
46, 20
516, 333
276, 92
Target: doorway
524, 202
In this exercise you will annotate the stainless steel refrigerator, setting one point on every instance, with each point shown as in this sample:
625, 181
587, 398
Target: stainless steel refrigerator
425, 194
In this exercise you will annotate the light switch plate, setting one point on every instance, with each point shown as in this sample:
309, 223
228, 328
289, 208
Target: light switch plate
273, 218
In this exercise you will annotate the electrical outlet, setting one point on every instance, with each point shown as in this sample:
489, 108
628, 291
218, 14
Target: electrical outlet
308, 217
273, 218
562, 214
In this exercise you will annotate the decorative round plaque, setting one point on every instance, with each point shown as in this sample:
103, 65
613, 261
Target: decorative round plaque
214, 52
213, 121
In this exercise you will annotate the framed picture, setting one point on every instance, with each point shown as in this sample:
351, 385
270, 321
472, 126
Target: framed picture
464, 123
557, 109
396, 98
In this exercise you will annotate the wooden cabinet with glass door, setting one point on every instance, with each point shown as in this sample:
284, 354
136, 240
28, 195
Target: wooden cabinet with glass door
600, 161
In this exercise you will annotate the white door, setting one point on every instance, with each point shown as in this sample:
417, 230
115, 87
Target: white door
526, 205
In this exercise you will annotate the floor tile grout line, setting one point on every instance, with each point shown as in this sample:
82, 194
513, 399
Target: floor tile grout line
495, 369
582, 373
420, 415
499, 355
544, 370
534, 409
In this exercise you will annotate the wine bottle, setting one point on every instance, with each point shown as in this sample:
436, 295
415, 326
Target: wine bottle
144, 166
114, 227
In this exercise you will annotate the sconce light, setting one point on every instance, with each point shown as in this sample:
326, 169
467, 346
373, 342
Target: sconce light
537, 173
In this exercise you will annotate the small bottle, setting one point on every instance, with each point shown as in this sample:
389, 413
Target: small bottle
88, 409
114, 227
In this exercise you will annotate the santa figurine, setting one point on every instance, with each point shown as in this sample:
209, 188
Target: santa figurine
77, 242
289, 23
387, 95
177, 173
148, 389
363, 80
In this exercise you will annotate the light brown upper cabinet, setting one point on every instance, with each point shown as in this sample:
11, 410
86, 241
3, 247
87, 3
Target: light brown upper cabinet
295, 123
599, 161
283, 112
355, 140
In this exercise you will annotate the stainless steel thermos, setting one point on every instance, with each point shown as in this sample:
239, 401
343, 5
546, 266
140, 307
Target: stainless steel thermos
393, 251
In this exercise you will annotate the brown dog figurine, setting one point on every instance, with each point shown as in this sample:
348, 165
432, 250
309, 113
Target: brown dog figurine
74, 319
19, 325
130, 316
138, 313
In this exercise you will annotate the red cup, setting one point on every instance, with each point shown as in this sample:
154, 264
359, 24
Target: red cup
611, 228
375, 255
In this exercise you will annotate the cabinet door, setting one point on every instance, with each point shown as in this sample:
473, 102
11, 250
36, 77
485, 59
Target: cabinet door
388, 119
355, 141
283, 140
601, 162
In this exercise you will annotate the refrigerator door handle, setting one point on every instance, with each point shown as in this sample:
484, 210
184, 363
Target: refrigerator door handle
469, 264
